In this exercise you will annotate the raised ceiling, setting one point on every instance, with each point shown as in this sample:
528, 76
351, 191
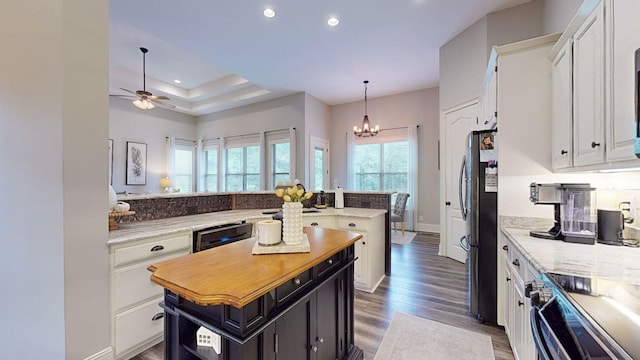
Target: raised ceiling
228, 54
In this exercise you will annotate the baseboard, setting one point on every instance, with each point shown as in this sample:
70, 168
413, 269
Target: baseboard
434, 228
106, 354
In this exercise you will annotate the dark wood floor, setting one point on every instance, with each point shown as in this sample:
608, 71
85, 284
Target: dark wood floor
422, 284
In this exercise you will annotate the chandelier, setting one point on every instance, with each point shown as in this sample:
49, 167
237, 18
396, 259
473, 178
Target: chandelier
365, 130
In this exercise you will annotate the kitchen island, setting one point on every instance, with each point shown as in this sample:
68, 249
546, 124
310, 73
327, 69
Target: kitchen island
279, 306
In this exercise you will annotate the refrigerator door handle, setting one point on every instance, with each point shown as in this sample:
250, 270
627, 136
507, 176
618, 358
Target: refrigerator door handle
463, 208
464, 243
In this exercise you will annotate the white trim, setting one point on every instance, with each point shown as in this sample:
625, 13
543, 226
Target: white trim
432, 228
105, 354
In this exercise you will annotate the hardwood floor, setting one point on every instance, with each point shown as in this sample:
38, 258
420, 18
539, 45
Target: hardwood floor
425, 285
421, 284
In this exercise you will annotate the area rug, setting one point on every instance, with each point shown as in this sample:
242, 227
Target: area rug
398, 238
410, 337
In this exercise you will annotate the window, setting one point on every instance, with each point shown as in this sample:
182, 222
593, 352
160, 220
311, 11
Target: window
210, 164
382, 166
280, 162
185, 158
242, 166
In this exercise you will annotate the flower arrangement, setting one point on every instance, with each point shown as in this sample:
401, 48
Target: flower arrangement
293, 194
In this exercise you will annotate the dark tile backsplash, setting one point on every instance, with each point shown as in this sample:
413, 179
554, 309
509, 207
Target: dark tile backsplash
160, 208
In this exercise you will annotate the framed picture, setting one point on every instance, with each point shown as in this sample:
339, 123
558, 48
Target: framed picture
136, 163
110, 150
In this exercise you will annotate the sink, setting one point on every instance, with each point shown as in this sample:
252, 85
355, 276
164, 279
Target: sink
304, 211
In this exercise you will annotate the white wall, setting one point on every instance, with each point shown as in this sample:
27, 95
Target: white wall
408, 109
317, 123
53, 111
557, 14
515, 24
276, 114
128, 123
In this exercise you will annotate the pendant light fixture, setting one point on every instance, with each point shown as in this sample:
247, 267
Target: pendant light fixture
365, 130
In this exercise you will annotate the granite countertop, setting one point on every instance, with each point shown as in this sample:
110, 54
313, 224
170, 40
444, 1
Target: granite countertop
144, 229
132, 196
617, 263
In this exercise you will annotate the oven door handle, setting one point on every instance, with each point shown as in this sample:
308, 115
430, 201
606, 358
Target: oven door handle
541, 346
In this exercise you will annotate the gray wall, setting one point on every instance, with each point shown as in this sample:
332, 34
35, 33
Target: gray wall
53, 137
128, 123
463, 60
317, 117
276, 114
557, 14
418, 107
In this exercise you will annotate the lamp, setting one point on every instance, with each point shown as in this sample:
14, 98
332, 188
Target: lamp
143, 104
365, 130
165, 183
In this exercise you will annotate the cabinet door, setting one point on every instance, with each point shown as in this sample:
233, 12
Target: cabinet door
562, 109
327, 337
519, 317
361, 266
588, 95
508, 296
294, 330
622, 38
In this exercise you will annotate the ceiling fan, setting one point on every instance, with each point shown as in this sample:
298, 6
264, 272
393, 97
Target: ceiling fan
144, 100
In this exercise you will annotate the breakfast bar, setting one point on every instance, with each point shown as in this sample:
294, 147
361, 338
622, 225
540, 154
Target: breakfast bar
275, 306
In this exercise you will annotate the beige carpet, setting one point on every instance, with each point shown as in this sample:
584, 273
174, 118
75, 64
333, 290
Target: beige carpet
409, 337
397, 238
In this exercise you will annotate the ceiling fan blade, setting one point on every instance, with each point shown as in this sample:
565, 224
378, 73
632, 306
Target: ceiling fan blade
129, 91
159, 97
123, 96
162, 103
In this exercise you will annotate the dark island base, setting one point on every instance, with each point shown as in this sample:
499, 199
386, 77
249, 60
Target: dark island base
308, 317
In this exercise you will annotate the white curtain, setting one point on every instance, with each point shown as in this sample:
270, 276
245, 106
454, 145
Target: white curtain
263, 160
171, 160
351, 162
222, 165
293, 150
412, 178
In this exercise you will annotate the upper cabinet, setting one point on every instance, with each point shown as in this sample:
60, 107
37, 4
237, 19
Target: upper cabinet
593, 88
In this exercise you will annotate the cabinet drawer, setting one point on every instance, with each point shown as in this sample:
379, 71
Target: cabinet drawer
518, 261
328, 265
287, 290
132, 284
327, 222
137, 325
353, 224
159, 247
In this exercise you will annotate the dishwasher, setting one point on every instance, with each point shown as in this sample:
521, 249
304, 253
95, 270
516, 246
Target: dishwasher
221, 235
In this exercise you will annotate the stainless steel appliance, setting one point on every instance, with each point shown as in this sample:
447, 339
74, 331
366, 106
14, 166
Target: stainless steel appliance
574, 211
220, 235
579, 318
479, 203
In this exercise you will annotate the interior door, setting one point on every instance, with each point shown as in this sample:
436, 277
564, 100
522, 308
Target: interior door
459, 122
318, 164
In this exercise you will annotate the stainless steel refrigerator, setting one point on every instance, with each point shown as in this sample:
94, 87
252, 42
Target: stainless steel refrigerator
479, 204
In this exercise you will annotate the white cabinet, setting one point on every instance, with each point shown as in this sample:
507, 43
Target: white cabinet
369, 268
562, 109
588, 90
621, 32
136, 316
603, 39
327, 222
517, 307
488, 105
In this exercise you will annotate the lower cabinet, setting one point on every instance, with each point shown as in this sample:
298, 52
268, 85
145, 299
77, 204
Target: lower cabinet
136, 315
517, 307
314, 323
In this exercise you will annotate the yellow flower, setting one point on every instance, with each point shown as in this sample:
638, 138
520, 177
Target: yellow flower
300, 193
279, 192
286, 198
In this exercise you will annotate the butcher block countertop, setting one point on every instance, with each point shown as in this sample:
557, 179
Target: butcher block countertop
231, 275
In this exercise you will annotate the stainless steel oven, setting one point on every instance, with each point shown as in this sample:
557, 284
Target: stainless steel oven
575, 317
220, 235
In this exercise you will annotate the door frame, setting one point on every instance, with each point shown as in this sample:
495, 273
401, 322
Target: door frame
314, 142
443, 248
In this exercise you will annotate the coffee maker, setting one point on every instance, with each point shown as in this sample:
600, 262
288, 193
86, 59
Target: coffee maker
574, 211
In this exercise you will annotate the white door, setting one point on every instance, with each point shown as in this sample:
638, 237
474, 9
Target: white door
459, 122
318, 164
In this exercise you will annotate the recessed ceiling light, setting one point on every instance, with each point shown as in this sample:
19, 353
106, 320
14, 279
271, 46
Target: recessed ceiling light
268, 12
177, 81
333, 21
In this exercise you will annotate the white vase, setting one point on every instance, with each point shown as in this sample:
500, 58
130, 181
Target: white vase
292, 223
113, 198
